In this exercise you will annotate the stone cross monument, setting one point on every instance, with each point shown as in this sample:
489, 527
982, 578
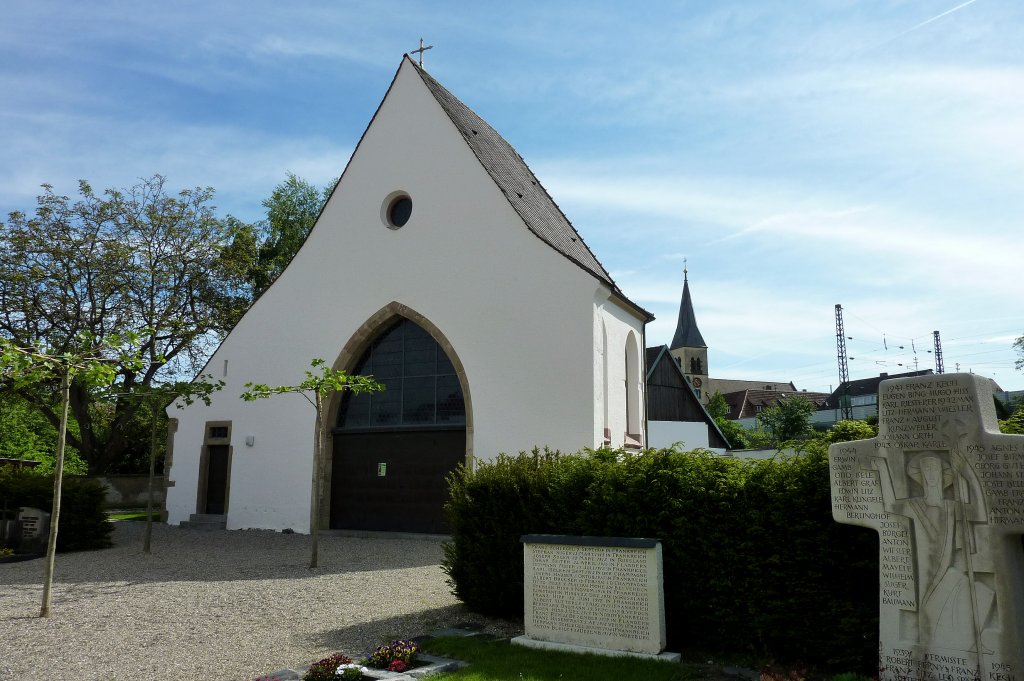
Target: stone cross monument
945, 492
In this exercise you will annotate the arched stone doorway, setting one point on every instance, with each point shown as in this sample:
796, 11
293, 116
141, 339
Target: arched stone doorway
393, 450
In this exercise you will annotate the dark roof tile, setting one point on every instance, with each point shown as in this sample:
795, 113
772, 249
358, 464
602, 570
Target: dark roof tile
515, 179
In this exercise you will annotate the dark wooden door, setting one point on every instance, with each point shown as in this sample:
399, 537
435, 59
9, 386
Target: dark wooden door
393, 481
216, 478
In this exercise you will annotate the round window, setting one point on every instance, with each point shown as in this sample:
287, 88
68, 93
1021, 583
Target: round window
397, 210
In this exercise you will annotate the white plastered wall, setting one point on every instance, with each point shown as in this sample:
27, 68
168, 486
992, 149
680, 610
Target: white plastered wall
612, 326
518, 314
692, 434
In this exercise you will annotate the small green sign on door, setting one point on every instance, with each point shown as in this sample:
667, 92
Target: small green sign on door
382, 470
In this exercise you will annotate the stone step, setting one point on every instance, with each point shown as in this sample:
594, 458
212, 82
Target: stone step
205, 521
207, 517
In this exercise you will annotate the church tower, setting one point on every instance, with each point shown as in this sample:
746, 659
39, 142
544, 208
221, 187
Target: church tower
688, 346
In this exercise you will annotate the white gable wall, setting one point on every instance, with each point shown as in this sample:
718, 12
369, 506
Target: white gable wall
612, 327
692, 434
519, 315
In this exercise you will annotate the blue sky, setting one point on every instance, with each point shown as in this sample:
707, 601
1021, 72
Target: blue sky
797, 154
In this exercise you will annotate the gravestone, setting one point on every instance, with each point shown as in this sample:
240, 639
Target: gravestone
594, 594
945, 491
33, 530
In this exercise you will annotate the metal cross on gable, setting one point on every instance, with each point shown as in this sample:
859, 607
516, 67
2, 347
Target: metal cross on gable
420, 52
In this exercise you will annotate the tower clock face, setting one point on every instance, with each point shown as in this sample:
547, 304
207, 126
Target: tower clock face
696, 383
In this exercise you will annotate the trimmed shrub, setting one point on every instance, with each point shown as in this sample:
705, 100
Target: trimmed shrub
753, 562
83, 524
489, 509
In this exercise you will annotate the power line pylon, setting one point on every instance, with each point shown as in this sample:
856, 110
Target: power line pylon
844, 367
939, 369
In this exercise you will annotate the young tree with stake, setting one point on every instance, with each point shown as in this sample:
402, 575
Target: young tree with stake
92, 364
320, 384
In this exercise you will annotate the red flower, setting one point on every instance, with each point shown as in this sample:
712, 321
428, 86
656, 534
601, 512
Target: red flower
397, 666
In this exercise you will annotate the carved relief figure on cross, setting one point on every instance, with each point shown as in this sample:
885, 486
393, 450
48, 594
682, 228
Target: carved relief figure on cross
945, 507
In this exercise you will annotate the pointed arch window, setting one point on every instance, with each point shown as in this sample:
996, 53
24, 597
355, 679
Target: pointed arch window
604, 383
632, 392
422, 390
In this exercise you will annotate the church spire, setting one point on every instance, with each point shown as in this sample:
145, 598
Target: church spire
687, 334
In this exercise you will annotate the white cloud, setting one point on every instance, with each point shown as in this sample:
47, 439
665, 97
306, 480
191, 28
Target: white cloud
243, 166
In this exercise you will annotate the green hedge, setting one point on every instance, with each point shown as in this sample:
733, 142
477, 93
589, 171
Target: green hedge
83, 524
753, 562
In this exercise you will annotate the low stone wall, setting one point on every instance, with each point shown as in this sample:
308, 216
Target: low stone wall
18, 463
129, 491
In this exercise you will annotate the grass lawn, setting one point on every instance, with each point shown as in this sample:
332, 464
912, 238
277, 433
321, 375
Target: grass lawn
502, 661
133, 516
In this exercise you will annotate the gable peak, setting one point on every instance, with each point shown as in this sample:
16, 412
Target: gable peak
521, 188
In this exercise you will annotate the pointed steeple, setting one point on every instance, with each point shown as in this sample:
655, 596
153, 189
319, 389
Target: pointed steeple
687, 334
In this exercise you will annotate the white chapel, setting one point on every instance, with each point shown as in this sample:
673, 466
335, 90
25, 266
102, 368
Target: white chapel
443, 268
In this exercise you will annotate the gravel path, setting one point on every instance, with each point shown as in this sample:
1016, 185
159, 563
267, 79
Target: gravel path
219, 605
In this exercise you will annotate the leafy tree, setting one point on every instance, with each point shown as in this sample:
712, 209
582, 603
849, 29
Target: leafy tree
789, 420
850, 430
26, 434
717, 406
88, 364
292, 210
321, 385
842, 431
1018, 345
1003, 410
737, 435
1014, 425
105, 265
238, 260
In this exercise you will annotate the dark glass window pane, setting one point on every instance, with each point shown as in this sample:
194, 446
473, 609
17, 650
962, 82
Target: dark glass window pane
418, 401
386, 408
419, 357
413, 331
362, 367
389, 342
355, 411
444, 365
451, 406
421, 386
387, 361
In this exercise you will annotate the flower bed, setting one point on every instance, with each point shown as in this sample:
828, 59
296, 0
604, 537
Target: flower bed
399, 660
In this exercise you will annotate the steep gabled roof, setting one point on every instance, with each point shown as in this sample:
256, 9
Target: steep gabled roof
654, 357
521, 187
687, 334
744, 403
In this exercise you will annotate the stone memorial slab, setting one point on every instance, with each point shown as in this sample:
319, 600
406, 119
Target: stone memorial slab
34, 530
945, 492
602, 594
